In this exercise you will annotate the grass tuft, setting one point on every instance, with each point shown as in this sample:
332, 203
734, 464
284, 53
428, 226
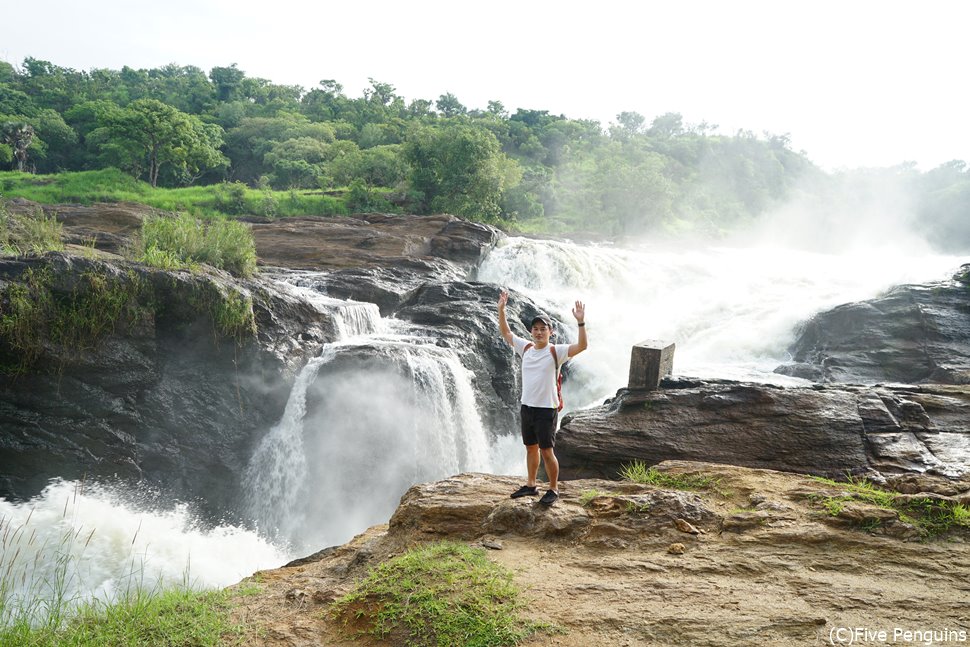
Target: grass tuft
177, 617
588, 495
32, 233
184, 242
932, 517
441, 594
638, 472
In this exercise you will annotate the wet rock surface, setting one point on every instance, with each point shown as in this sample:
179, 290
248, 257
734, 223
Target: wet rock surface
823, 430
162, 397
913, 334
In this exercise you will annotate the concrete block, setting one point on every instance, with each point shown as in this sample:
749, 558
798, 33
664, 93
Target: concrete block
650, 361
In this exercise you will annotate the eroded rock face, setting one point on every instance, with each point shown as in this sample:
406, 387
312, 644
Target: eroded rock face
163, 396
830, 431
170, 402
372, 240
914, 334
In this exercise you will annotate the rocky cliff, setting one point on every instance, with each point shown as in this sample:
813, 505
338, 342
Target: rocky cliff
163, 395
828, 430
915, 333
115, 370
748, 557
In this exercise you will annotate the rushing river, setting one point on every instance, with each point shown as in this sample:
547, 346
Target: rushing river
319, 477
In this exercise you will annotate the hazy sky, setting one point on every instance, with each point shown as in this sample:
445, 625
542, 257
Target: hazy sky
854, 82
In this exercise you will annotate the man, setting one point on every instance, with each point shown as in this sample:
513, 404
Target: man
540, 399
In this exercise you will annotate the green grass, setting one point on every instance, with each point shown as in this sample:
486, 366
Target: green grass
175, 618
588, 495
112, 185
184, 242
232, 315
638, 472
932, 517
440, 594
33, 233
632, 507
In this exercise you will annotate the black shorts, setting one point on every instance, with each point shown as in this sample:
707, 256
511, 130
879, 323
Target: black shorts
539, 426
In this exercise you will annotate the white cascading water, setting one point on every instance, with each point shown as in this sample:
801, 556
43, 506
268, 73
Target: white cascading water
74, 543
401, 410
732, 312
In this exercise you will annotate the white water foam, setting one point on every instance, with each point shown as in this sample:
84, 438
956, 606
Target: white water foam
404, 414
82, 543
732, 312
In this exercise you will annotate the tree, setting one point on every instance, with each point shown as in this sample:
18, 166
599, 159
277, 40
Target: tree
449, 105
54, 143
18, 135
154, 135
460, 169
670, 124
297, 163
497, 108
629, 123
228, 82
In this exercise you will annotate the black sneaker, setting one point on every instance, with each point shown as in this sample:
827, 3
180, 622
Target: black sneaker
549, 497
525, 490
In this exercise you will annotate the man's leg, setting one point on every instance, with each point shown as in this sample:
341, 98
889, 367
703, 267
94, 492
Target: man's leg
532, 463
551, 463
531, 443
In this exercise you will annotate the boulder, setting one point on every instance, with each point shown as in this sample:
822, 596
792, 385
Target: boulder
372, 240
822, 430
913, 334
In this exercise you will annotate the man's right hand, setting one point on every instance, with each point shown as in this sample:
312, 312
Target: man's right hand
503, 298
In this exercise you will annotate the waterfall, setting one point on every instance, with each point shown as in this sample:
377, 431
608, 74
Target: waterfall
275, 480
352, 318
374, 414
732, 312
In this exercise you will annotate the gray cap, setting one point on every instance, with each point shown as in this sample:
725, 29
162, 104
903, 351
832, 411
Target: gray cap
543, 318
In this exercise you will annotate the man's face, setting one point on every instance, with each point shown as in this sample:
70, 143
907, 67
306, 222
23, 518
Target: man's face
540, 332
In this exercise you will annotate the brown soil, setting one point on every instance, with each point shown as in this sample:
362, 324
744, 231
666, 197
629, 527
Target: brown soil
767, 567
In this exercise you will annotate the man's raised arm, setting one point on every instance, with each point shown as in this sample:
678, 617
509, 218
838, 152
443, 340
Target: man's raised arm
503, 324
579, 311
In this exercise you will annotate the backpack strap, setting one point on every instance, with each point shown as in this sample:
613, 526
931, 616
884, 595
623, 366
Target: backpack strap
555, 361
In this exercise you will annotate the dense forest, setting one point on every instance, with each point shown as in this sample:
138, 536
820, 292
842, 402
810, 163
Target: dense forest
531, 170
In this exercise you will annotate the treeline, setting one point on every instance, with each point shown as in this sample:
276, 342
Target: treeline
178, 126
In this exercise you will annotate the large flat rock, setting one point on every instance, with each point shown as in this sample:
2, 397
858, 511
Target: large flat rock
824, 430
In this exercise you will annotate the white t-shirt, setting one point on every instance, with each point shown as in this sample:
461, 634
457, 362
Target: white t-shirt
539, 372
